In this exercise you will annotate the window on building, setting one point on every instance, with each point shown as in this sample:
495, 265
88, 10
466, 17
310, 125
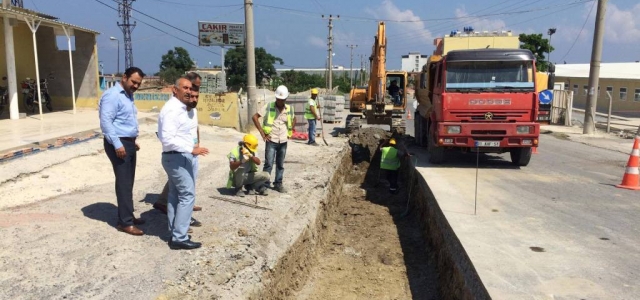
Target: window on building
63, 44
636, 96
623, 94
575, 89
566, 86
585, 90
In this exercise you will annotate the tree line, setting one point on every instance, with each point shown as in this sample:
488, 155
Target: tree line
177, 62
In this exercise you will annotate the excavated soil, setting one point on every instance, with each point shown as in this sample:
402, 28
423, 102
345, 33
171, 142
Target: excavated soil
362, 246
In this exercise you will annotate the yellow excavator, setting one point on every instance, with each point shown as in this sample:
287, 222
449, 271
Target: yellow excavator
383, 100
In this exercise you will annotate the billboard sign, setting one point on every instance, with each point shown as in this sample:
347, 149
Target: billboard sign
220, 34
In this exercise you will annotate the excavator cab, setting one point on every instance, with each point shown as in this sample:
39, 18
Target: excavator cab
395, 89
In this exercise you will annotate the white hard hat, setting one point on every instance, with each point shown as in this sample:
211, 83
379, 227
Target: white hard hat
282, 92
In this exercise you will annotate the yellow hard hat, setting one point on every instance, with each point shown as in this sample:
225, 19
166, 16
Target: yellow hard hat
314, 91
392, 141
251, 141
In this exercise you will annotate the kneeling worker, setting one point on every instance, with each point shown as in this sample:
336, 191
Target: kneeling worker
390, 163
243, 166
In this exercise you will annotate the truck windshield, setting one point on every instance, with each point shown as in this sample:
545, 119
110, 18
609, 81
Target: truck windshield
497, 76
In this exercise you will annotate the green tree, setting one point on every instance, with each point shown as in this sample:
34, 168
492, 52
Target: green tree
297, 81
539, 46
174, 64
342, 82
235, 62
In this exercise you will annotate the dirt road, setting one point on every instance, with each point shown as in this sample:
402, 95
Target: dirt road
58, 213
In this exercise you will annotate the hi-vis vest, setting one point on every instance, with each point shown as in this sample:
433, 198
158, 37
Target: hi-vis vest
236, 153
271, 116
389, 159
307, 109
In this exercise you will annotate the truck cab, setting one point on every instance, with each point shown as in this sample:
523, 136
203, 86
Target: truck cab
480, 100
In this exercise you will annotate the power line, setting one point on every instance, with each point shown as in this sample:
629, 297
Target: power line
579, 33
162, 22
353, 18
198, 5
158, 29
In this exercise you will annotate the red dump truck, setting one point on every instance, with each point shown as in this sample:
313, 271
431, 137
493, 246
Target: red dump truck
478, 100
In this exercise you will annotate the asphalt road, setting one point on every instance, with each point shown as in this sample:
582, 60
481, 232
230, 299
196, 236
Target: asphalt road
556, 229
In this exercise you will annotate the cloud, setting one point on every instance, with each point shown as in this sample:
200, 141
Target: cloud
389, 11
621, 26
317, 42
272, 43
479, 24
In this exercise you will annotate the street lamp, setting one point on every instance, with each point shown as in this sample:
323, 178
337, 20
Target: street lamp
550, 32
115, 39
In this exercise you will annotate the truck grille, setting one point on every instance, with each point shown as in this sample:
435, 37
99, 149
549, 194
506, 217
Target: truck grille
489, 132
482, 115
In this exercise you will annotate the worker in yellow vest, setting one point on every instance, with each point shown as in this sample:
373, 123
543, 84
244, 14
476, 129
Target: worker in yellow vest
312, 115
390, 163
276, 129
243, 165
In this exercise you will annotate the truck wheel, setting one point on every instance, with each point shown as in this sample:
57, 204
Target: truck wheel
436, 154
417, 131
520, 156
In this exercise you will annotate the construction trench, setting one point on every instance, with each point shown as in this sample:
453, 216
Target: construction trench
368, 244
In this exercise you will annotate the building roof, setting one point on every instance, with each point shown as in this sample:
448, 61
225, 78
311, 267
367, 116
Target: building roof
20, 14
607, 70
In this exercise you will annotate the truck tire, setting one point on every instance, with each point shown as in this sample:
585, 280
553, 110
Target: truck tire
436, 154
520, 156
417, 130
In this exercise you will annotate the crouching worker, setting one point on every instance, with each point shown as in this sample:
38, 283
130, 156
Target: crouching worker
390, 163
243, 166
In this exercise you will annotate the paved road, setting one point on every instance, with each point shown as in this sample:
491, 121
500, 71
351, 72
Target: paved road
556, 229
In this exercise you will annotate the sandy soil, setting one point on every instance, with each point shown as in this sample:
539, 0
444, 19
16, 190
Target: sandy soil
58, 212
360, 246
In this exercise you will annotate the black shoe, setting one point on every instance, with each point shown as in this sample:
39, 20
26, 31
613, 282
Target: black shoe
187, 245
195, 223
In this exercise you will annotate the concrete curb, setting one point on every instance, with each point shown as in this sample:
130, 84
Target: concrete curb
9, 154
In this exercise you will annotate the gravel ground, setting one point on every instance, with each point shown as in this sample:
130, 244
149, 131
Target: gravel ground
58, 215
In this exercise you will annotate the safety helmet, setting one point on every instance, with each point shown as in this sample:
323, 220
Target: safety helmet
282, 92
251, 141
392, 141
314, 91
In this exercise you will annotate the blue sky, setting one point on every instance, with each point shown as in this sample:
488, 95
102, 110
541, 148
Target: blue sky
295, 30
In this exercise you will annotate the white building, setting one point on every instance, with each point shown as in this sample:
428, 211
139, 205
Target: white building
413, 62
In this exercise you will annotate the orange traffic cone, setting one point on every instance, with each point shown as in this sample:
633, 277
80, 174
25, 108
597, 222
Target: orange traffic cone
631, 178
408, 114
534, 150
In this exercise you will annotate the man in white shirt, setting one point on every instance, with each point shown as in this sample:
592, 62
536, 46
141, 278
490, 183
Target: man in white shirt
175, 127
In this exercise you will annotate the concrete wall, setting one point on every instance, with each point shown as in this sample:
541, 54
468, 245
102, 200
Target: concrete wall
619, 104
55, 61
220, 110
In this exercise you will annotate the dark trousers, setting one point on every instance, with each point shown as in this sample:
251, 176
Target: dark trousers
392, 177
312, 131
275, 152
125, 171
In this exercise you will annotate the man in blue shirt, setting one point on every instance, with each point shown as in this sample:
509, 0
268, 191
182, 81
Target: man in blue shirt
119, 124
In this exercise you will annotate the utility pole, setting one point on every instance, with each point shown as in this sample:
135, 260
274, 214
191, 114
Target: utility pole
124, 10
594, 71
351, 65
362, 70
330, 64
252, 99
550, 32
